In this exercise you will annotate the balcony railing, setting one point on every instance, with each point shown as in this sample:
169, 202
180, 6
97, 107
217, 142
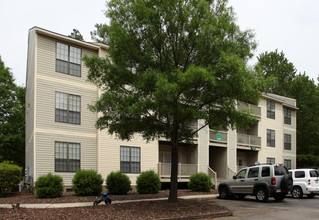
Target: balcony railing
184, 170
218, 136
255, 109
248, 140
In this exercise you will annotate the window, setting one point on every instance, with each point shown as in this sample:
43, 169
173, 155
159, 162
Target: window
270, 138
287, 116
287, 164
253, 172
313, 173
67, 108
287, 141
265, 171
300, 174
281, 170
270, 160
241, 174
130, 159
68, 59
67, 157
271, 109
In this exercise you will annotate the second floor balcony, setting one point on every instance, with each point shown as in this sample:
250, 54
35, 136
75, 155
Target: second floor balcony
252, 141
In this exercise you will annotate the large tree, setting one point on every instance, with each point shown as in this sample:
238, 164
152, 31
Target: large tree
171, 63
275, 65
12, 118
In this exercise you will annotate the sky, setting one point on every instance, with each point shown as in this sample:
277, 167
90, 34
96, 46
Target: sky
291, 26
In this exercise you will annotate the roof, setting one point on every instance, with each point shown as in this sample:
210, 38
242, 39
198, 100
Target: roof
89, 45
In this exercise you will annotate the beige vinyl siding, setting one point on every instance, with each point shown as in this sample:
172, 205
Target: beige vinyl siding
46, 153
109, 155
29, 99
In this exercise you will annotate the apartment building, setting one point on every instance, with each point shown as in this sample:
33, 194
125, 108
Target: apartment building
61, 136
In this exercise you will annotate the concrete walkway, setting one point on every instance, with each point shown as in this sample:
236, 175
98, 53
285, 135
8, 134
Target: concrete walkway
84, 204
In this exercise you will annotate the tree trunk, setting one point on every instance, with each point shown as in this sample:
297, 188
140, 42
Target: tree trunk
174, 171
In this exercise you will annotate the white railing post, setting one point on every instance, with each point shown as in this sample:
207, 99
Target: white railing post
159, 170
179, 174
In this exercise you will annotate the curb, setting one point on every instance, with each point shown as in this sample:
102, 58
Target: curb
213, 215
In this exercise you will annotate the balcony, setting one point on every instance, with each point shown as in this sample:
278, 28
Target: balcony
254, 142
184, 171
218, 136
253, 108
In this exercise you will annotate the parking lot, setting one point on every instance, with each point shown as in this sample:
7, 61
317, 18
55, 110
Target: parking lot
290, 208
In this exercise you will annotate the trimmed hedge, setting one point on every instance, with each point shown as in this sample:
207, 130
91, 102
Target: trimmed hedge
10, 176
49, 186
87, 183
200, 182
118, 183
148, 182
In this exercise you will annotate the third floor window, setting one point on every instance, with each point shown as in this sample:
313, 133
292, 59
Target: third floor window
68, 59
271, 109
287, 116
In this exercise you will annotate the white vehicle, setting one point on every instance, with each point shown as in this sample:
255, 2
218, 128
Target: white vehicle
306, 182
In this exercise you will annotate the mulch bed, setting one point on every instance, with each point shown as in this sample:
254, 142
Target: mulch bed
204, 208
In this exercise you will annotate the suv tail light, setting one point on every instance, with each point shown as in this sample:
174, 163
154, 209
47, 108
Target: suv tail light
308, 181
273, 181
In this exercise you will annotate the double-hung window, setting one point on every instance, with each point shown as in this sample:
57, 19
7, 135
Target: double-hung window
67, 157
68, 59
270, 138
270, 160
287, 164
271, 109
287, 116
130, 159
67, 108
287, 141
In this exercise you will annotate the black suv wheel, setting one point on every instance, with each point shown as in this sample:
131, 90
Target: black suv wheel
262, 195
223, 192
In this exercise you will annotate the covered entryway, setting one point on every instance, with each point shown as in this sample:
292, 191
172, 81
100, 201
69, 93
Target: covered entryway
218, 161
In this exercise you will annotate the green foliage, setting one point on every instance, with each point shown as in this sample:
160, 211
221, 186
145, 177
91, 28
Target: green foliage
76, 34
49, 186
148, 182
276, 65
170, 63
12, 118
10, 176
307, 160
87, 183
200, 182
118, 183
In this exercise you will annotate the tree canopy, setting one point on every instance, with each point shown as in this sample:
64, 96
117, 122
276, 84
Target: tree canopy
76, 34
12, 118
276, 65
171, 63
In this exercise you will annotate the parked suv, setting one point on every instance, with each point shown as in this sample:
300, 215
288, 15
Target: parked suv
306, 182
261, 180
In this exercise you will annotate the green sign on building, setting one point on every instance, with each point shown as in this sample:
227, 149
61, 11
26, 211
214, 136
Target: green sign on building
219, 137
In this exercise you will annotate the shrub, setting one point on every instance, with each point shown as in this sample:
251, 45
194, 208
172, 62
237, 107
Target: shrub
10, 176
49, 186
87, 183
200, 182
118, 183
148, 182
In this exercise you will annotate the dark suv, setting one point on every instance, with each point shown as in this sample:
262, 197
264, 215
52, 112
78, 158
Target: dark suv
262, 181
